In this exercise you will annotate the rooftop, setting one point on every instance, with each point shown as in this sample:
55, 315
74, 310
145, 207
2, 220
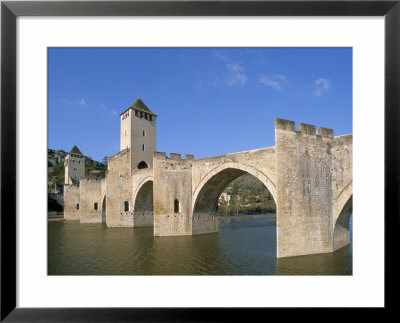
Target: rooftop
75, 150
140, 106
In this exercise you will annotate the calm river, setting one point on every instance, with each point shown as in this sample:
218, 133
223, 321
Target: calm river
245, 245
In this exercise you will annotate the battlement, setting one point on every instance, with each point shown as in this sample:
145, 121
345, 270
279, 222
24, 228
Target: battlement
303, 128
174, 156
307, 129
325, 132
284, 125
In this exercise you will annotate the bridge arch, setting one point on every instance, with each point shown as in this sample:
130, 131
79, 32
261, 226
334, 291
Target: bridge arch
143, 203
341, 199
343, 209
205, 196
103, 208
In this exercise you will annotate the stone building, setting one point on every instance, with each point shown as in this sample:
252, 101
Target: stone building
308, 173
85, 199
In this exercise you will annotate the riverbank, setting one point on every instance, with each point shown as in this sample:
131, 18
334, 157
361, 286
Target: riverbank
55, 216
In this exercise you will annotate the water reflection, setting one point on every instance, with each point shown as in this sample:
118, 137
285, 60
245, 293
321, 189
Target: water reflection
245, 245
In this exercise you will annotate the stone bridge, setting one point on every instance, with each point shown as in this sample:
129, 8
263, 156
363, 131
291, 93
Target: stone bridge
308, 173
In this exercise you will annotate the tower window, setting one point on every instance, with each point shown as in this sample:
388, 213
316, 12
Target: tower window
143, 147
95, 206
150, 117
176, 206
141, 114
77, 206
136, 113
126, 206
145, 115
144, 133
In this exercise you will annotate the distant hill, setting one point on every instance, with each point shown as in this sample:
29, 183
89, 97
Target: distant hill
247, 195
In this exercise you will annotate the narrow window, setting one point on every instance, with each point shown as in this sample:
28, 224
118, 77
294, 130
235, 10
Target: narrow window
144, 133
150, 117
143, 147
176, 206
95, 206
126, 206
145, 115
77, 206
136, 113
141, 114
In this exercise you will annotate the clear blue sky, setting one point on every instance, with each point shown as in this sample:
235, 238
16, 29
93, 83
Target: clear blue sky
209, 101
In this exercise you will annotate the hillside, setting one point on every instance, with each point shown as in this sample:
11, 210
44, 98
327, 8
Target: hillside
247, 195
55, 158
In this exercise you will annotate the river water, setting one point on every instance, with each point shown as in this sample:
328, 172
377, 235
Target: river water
245, 245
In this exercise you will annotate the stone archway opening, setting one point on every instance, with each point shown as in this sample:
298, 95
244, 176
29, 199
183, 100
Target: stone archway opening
142, 165
143, 206
342, 230
207, 207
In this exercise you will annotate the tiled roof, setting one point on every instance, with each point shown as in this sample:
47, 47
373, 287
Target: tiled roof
75, 150
140, 106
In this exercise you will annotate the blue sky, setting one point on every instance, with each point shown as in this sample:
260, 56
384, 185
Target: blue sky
209, 101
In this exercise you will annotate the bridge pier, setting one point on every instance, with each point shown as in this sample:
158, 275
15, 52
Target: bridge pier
304, 189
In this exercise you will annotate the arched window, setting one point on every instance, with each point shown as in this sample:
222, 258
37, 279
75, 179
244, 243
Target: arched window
142, 164
95, 206
176, 206
77, 206
126, 206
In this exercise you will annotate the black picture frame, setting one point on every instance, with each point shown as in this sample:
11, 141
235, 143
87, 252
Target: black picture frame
10, 10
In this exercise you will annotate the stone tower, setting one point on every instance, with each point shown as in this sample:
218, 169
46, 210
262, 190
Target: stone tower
74, 164
138, 134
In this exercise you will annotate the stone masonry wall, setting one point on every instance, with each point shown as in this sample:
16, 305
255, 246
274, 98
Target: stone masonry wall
205, 223
91, 191
71, 199
342, 189
304, 189
119, 190
138, 140
342, 171
172, 181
